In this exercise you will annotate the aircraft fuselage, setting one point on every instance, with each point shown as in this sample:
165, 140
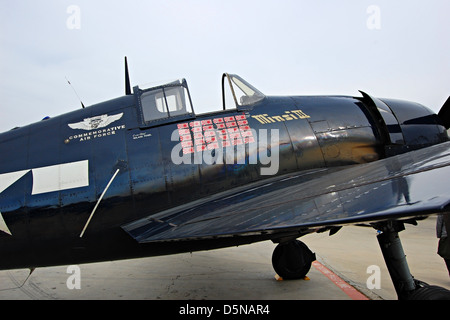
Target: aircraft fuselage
70, 182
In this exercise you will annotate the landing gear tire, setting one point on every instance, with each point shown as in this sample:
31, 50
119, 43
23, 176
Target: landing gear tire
430, 293
292, 260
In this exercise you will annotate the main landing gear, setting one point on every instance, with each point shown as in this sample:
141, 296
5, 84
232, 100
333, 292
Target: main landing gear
405, 285
292, 260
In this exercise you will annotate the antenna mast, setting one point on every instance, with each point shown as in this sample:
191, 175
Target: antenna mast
127, 79
82, 105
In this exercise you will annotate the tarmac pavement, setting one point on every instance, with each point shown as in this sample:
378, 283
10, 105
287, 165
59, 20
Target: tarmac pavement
239, 273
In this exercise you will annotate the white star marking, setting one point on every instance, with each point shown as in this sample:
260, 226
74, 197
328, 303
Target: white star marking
3, 226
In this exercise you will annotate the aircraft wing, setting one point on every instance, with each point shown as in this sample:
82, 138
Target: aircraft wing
407, 185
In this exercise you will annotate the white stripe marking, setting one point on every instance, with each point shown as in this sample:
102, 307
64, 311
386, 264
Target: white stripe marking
60, 177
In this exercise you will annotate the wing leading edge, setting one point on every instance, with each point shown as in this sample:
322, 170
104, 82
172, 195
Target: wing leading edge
412, 184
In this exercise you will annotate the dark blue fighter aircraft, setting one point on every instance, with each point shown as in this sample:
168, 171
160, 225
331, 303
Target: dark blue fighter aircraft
143, 175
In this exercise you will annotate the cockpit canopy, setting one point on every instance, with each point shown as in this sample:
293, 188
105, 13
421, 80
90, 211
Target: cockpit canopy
172, 102
166, 102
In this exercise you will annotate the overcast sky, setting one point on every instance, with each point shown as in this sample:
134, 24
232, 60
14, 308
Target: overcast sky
396, 49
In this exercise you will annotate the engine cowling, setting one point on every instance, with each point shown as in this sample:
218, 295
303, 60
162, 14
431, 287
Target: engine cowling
406, 125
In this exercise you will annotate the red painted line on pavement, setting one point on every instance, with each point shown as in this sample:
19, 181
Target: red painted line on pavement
344, 286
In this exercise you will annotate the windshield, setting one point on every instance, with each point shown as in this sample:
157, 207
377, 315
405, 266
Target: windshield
244, 94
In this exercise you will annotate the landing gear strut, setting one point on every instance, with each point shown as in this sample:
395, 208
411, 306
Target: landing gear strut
292, 260
405, 285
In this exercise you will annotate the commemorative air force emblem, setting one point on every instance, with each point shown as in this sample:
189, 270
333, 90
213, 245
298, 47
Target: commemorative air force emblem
95, 122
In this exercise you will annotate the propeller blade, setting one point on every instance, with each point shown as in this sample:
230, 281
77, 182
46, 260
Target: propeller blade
444, 114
